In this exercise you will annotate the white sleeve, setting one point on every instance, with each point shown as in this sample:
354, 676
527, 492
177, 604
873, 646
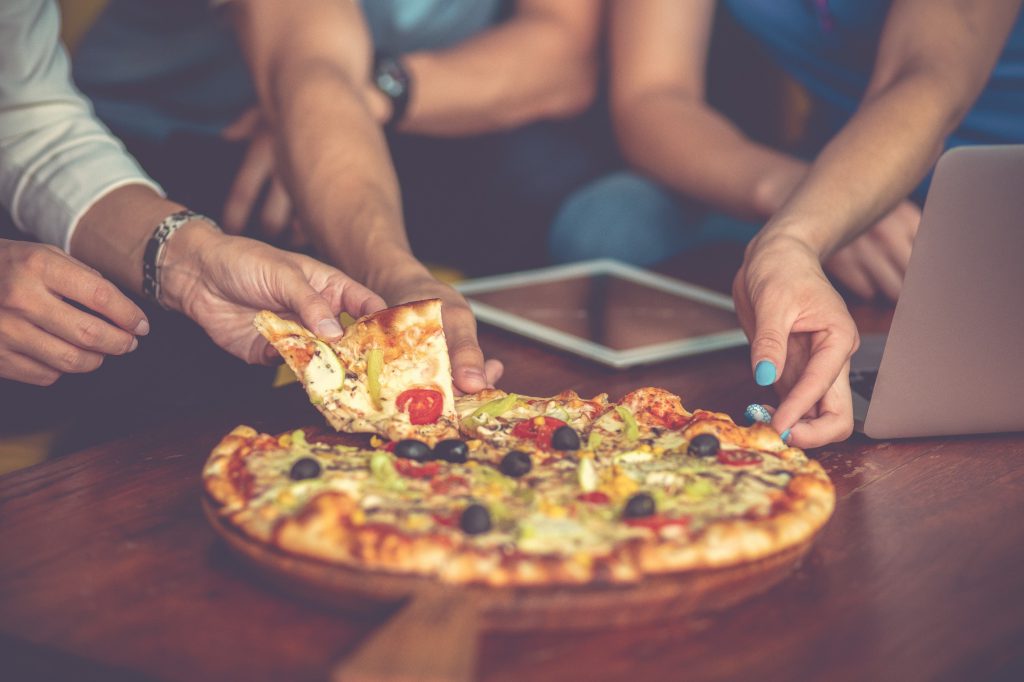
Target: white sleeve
56, 159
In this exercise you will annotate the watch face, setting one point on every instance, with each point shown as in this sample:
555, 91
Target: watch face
390, 79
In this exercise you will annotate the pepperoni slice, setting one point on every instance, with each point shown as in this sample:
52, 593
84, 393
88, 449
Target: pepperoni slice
595, 497
424, 405
529, 429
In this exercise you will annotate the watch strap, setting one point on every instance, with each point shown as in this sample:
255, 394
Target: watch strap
152, 257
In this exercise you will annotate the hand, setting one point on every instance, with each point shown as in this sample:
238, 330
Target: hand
41, 335
469, 370
257, 178
221, 282
801, 335
874, 264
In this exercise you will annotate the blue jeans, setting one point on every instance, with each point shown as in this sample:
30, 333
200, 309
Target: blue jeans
633, 219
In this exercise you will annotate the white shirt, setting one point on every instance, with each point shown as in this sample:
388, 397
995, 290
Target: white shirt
56, 159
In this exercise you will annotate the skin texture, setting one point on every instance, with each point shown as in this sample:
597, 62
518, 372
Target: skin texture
43, 336
932, 62
217, 280
454, 94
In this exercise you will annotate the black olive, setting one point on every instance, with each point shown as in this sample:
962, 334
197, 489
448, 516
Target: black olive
516, 464
565, 438
451, 450
416, 450
704, 445
304, 468
638, 506
475, 519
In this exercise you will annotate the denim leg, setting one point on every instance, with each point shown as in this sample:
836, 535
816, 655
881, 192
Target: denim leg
623, 216
633, 219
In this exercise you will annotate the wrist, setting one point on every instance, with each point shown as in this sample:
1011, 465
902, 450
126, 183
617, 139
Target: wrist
183, 262
394, 81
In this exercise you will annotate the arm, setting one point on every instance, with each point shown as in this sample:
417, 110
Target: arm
934, 58
66, 179
310, 69
540, 63
665, 126
668, 131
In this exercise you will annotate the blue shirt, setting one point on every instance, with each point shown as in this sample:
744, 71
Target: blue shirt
154, 67
830, 47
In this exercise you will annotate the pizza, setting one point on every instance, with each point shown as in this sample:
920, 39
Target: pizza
388, 374
534, 491
498, 488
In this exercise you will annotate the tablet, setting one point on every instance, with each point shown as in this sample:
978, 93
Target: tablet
616, 314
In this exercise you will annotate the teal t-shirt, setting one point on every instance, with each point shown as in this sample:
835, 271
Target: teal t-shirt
155, 67
830, 46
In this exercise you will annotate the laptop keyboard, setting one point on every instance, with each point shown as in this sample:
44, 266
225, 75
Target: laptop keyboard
863, 382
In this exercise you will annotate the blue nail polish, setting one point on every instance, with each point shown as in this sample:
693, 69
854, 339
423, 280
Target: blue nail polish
756, 413
785, 436
764, 373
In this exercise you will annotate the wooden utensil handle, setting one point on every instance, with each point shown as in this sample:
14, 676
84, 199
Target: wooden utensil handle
433, 637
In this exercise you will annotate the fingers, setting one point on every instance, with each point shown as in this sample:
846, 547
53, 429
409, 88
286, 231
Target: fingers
845, 266
830, 354
468, 369
347, 295
83, 330
313, 309
256, 171
832, 420
18, 367
773, 321
276, 216
884, 273
70, 279
318, 293
34, 343
493, 369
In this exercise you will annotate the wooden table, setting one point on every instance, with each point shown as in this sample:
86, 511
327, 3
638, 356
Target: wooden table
108, 569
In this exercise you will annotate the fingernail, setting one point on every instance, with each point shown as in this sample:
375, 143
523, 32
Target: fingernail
785, 436
756, 413
142, 328
134, 345
764, 373
328, 328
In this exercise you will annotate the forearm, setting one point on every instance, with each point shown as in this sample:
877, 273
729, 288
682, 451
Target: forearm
111, 237
310, 71
343, 183
696, 151
531, 67
870, 166
933, 60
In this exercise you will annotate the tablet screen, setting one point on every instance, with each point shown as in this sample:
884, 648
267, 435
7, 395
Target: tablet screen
611, 311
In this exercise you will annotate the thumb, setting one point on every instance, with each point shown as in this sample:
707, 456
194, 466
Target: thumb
312, 307
772, 325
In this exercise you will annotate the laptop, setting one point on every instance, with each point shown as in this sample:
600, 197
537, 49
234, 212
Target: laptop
953, 362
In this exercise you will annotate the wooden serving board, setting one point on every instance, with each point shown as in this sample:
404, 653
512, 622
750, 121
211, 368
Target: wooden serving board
434, 633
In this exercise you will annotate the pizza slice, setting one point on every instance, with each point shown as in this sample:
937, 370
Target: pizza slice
388, 374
